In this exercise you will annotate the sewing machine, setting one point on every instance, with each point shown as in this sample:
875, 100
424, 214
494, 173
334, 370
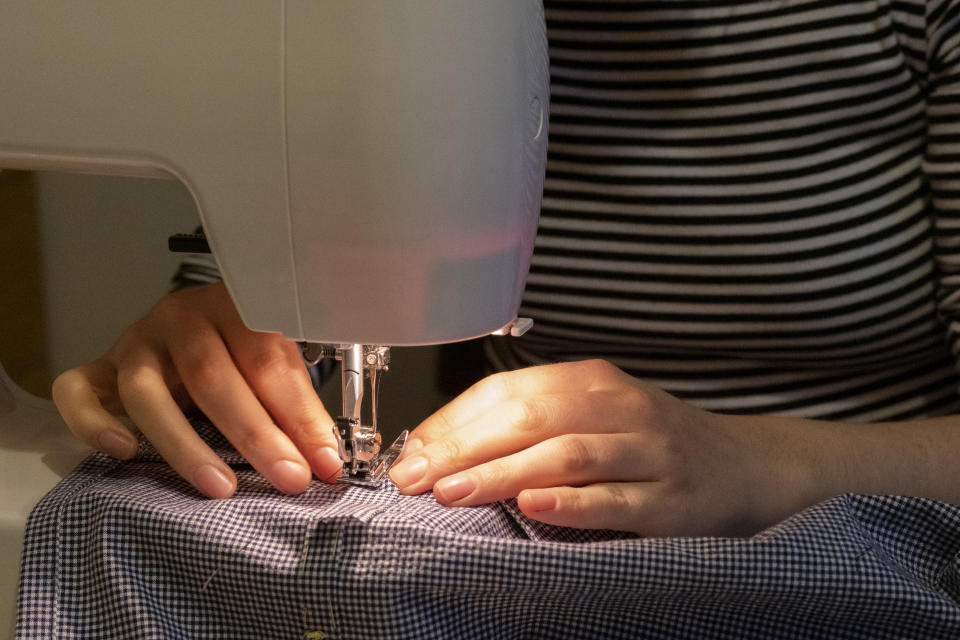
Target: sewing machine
368, 173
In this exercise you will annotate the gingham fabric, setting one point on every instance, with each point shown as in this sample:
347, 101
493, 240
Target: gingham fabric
129, 550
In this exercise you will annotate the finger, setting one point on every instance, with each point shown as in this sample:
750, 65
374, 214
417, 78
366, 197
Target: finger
564, 460
276, 371
220, 391
513, 426
148, 402
567, 377
619, 506
79, 396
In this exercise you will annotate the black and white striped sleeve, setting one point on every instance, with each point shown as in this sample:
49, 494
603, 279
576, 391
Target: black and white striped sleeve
942, 158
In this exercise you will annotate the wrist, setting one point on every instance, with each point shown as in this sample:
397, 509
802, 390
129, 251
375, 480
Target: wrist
793, 464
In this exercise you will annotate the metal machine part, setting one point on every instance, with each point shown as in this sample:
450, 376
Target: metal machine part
358, 443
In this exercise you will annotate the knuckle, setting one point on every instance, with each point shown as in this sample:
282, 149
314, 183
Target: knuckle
496, 472
196, 362
271, 361
618, 498
450, 450
599, 368
572, 500
136, 381
250, 438
440, 421
199, 371
306, 428
528, 414
494, 386
65, 383
575, 455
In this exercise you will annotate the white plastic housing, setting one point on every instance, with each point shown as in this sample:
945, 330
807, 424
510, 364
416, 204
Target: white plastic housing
367, 171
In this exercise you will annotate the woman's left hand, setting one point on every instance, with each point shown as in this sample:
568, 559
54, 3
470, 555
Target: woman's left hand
585, 445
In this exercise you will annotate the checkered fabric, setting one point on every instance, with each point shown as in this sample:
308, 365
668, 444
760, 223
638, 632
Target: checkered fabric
129, 550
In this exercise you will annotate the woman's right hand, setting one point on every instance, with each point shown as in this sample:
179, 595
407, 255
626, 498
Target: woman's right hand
193, 350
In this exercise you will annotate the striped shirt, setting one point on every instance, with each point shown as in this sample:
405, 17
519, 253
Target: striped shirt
754, 205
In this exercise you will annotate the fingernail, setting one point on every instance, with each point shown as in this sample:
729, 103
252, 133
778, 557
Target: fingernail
454, 488
409, 471
289, 476
213, 482
326, 463
116, 444
539, 500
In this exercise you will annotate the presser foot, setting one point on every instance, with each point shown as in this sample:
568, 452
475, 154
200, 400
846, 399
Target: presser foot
369, 473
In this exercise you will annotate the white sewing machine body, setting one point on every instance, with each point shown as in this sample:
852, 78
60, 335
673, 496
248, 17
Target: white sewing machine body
366, 171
